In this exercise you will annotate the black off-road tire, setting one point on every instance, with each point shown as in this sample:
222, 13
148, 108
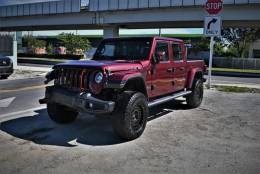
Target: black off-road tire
4, 76
61, 114
195, 98
130, 117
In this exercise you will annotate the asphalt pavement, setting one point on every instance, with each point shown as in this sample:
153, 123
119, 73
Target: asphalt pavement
28, 91
221, 136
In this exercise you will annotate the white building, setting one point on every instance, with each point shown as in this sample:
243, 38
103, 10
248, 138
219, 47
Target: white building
254, 51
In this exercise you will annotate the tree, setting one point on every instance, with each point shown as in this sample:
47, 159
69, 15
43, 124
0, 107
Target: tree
49, 49
240, 39
219, 49
75, 44
33, 43
201, 45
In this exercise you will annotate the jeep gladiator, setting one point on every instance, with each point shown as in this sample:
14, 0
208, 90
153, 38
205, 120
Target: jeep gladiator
124, 79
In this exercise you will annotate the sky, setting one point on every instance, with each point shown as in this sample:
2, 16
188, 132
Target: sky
122, 31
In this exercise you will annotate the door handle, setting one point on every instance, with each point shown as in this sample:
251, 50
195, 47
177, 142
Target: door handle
171, 70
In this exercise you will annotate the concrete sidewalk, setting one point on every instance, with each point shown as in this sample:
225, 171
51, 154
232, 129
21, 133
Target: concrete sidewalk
35, 69
238, 85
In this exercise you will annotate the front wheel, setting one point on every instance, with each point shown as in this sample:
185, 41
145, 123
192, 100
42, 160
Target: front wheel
195, 98
61, 114
4, 76
129, 120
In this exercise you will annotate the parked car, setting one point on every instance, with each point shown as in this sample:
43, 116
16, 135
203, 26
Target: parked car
125, 78
6, 67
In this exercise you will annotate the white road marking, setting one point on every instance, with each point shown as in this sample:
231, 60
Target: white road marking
18, 113
5, 103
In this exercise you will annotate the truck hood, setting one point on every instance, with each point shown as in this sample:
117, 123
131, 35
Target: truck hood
102, 64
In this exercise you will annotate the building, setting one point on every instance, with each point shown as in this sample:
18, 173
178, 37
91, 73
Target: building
254, 50
6, 44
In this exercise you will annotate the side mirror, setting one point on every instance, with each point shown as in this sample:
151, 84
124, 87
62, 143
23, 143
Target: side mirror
158, 56
156, 59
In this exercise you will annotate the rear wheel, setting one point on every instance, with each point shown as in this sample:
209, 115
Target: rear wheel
129, 120
61, 114
195, 98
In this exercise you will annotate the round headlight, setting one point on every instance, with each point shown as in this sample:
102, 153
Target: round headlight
99, 77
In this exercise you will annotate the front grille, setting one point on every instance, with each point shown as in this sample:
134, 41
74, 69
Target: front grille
72, 78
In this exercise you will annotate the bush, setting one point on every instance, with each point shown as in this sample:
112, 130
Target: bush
53, 56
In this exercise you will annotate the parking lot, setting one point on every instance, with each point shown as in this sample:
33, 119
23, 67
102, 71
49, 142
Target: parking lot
221, 136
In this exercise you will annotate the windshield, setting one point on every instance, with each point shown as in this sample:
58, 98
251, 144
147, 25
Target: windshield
124, 49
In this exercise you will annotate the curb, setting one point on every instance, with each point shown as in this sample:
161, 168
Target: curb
235, 74
239, 85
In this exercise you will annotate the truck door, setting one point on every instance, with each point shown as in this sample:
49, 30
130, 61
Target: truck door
179, 66
162, 76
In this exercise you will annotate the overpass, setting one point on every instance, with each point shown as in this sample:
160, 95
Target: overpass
111, 15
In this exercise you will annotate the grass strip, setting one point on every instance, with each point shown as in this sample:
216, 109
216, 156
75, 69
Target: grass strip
237, 70
237, 89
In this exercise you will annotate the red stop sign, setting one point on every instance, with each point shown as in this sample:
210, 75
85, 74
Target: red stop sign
213, 6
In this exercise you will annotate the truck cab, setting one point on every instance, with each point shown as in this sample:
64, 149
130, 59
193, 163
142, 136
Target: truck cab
124, 79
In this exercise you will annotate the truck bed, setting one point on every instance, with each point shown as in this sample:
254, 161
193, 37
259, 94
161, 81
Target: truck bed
196, 64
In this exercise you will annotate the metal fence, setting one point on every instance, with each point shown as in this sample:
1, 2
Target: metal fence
237, 63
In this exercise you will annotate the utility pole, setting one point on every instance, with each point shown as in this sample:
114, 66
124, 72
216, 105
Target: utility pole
160, 32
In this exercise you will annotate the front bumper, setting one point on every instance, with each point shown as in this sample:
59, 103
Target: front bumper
6, 70
83, 102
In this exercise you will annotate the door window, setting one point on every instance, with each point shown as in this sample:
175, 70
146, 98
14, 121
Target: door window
162, 49
177, 52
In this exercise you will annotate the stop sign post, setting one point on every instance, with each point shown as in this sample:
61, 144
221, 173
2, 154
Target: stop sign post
213, 7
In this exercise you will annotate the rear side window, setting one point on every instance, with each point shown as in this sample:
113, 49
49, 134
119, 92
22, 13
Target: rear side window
177, 52
162, 47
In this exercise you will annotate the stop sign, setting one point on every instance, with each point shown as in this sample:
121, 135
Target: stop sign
214, 6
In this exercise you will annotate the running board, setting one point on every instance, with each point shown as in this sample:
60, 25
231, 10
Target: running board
168, 98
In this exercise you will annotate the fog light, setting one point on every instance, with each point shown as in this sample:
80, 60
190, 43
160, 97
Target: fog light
91, 105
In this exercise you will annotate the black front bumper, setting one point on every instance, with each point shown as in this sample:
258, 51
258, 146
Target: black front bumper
83, 102
6, 70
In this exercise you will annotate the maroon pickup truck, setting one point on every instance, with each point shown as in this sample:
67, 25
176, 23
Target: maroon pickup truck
124, 79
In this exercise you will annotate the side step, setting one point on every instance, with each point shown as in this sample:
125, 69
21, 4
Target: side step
168, 98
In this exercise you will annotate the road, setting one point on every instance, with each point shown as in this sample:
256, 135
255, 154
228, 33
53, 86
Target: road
221, 136
28, 91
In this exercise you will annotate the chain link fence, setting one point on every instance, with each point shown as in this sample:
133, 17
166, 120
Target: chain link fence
236, 63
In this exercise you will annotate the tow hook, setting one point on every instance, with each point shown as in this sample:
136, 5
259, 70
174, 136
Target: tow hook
43, 101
